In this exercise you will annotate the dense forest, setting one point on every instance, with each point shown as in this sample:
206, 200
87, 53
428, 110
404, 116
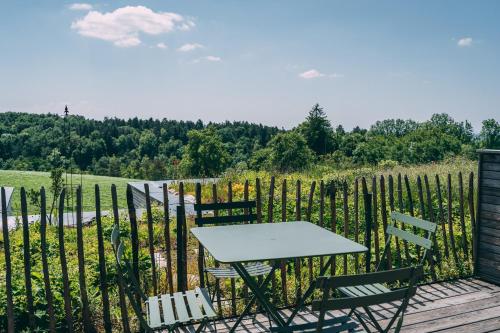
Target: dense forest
158, 149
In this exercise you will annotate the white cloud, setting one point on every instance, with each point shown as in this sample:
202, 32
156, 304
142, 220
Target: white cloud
213, 58
208, 58
465, 42
80, 6
161, 46
189, 47
123, 26
311, 74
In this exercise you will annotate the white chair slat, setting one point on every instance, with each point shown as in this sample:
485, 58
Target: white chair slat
194, 306
154, 316
180, 308
168, 311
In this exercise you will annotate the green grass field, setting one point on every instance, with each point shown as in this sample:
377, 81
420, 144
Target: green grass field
35, 180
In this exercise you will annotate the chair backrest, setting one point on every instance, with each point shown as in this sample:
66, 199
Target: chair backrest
329, 284
246, 216
419, 227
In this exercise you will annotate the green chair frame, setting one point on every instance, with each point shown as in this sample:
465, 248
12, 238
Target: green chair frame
378, 289
200, 308
329, 285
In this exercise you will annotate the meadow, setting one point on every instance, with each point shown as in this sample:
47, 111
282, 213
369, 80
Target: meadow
36, 179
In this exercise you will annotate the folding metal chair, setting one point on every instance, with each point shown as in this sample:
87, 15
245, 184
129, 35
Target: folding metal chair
201, 220
363, 295
419, 226
163, 312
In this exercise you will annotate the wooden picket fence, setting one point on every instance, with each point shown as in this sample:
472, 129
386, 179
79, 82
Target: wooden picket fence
359, 211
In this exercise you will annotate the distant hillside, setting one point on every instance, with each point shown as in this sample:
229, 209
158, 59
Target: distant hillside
134, 148
162, 149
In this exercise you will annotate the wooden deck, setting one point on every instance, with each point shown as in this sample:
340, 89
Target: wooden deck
467, 305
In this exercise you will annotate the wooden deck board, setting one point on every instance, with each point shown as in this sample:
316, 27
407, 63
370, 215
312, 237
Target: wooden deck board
468, 305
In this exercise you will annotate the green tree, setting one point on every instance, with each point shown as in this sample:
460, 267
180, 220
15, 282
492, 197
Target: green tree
205, 155
289, 152
490, 134
318, 131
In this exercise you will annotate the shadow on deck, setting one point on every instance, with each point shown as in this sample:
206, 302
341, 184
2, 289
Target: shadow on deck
467, 305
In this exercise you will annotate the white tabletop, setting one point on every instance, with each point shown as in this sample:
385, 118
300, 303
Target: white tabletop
269, 241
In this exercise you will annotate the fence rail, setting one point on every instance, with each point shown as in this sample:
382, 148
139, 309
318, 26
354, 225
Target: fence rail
68, 279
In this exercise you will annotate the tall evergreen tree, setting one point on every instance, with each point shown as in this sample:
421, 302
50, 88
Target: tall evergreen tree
318, 132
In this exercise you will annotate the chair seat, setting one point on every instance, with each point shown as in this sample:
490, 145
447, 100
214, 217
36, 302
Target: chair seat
364, 290
181, 307
334, 325
254, 269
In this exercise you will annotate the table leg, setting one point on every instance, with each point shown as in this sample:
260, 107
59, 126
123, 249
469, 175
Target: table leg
254, 298
308, 292
257, 295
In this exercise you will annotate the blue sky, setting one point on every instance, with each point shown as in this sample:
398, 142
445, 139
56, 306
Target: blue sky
261, 61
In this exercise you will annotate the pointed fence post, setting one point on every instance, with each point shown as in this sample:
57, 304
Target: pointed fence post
149, 217
87, 320
45, 266
27, 260
121, 293
103, 279
298, 217
166, 235
64, 267
283, 267
8, 265
181, 285
310, 203
368, 229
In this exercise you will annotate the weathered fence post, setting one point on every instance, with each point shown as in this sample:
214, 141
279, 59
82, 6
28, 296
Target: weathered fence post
333, 213
8, 265
368, 229
383, 209
217, 281
298, 217
180, 249
166, 235
121, 292
270, 219
232, 280
45, 265
432, 218
309, 219
401, 209
27, 260
134, 236
184, 228
472, 212
465, 246
321, 211
356, 222
103, 284
441, 220
375, 220
392, 208
149, 217
450, 222
283, 263
87, 320
201, 250
64, 266
346, 219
